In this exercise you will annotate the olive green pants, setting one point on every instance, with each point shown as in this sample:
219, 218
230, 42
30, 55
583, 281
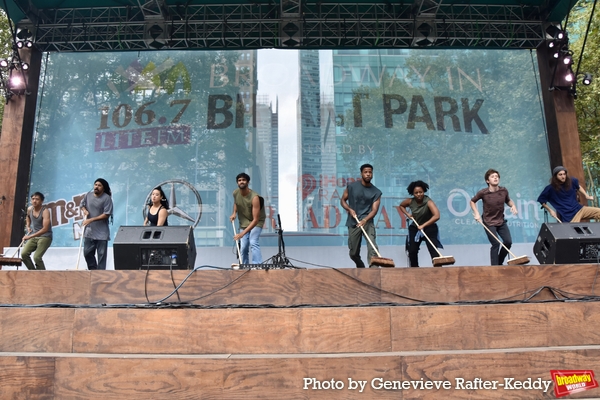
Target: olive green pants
39, 245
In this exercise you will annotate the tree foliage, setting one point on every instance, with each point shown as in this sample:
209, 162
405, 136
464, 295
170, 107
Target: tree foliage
5, 50
587, 104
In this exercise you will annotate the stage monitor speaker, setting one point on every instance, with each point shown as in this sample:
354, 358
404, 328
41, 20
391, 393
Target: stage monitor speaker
155, 247
568, 243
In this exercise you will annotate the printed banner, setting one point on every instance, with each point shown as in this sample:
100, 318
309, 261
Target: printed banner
300, 124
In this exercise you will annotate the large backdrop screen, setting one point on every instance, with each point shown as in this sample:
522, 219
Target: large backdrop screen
300, 123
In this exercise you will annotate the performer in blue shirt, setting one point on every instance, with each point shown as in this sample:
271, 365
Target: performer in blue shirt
561, 193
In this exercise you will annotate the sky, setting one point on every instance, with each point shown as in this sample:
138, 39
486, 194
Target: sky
278, 78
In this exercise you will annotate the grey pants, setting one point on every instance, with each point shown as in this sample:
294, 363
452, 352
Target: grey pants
355, 235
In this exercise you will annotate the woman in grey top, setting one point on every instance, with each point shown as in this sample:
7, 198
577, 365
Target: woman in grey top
426, 213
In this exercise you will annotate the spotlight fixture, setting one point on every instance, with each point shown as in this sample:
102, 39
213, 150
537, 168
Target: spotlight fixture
155, 34
587, 79
13, 78
555, 32
568, 60
27, 44
24, 34
16, 82
424, 30
291, 32
569, 77
13, 70
552, 44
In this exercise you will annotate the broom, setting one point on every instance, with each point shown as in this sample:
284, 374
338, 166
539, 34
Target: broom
379, 261
514, 260
437, 261
236, 266
12, 261
80, 244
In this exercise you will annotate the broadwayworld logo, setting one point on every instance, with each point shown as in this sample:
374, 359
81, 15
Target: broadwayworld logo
572, 381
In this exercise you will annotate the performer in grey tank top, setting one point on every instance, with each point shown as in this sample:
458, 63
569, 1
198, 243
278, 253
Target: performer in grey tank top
39, 233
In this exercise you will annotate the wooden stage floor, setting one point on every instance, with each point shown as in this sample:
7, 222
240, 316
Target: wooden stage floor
281, 334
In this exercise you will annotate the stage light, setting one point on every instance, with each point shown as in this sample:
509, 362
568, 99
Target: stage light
16, 82
569, 77
13, 76
21, 44
291, 33
155, 35
425, 32
568, 60
551, 44
587, 79
556, 54
423, 42
24, 34
554, 32
156, 44
155, 31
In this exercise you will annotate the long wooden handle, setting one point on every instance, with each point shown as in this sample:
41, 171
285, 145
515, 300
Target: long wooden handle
17, 250
495, 237
424, 234
368, 238
80, 244
236, 242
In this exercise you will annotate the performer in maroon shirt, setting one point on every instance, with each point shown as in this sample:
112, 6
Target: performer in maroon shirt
494, 197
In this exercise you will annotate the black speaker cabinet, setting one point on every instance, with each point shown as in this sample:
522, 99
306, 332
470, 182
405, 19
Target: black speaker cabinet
155, 247
568, 243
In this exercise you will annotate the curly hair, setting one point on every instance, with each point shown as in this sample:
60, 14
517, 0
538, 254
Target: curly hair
366, 166
243, 175
411, 187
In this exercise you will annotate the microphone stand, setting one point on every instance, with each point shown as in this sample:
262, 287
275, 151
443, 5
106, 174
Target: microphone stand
279, 259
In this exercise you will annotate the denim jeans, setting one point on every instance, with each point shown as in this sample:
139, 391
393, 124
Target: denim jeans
249, 244
90, 247
497, 258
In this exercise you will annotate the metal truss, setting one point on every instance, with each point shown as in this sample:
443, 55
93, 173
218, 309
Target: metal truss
155, 25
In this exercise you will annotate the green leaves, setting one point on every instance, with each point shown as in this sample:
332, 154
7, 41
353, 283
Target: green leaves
587, 104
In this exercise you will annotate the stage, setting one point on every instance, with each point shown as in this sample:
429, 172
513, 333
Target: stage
65, 258
297, 333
